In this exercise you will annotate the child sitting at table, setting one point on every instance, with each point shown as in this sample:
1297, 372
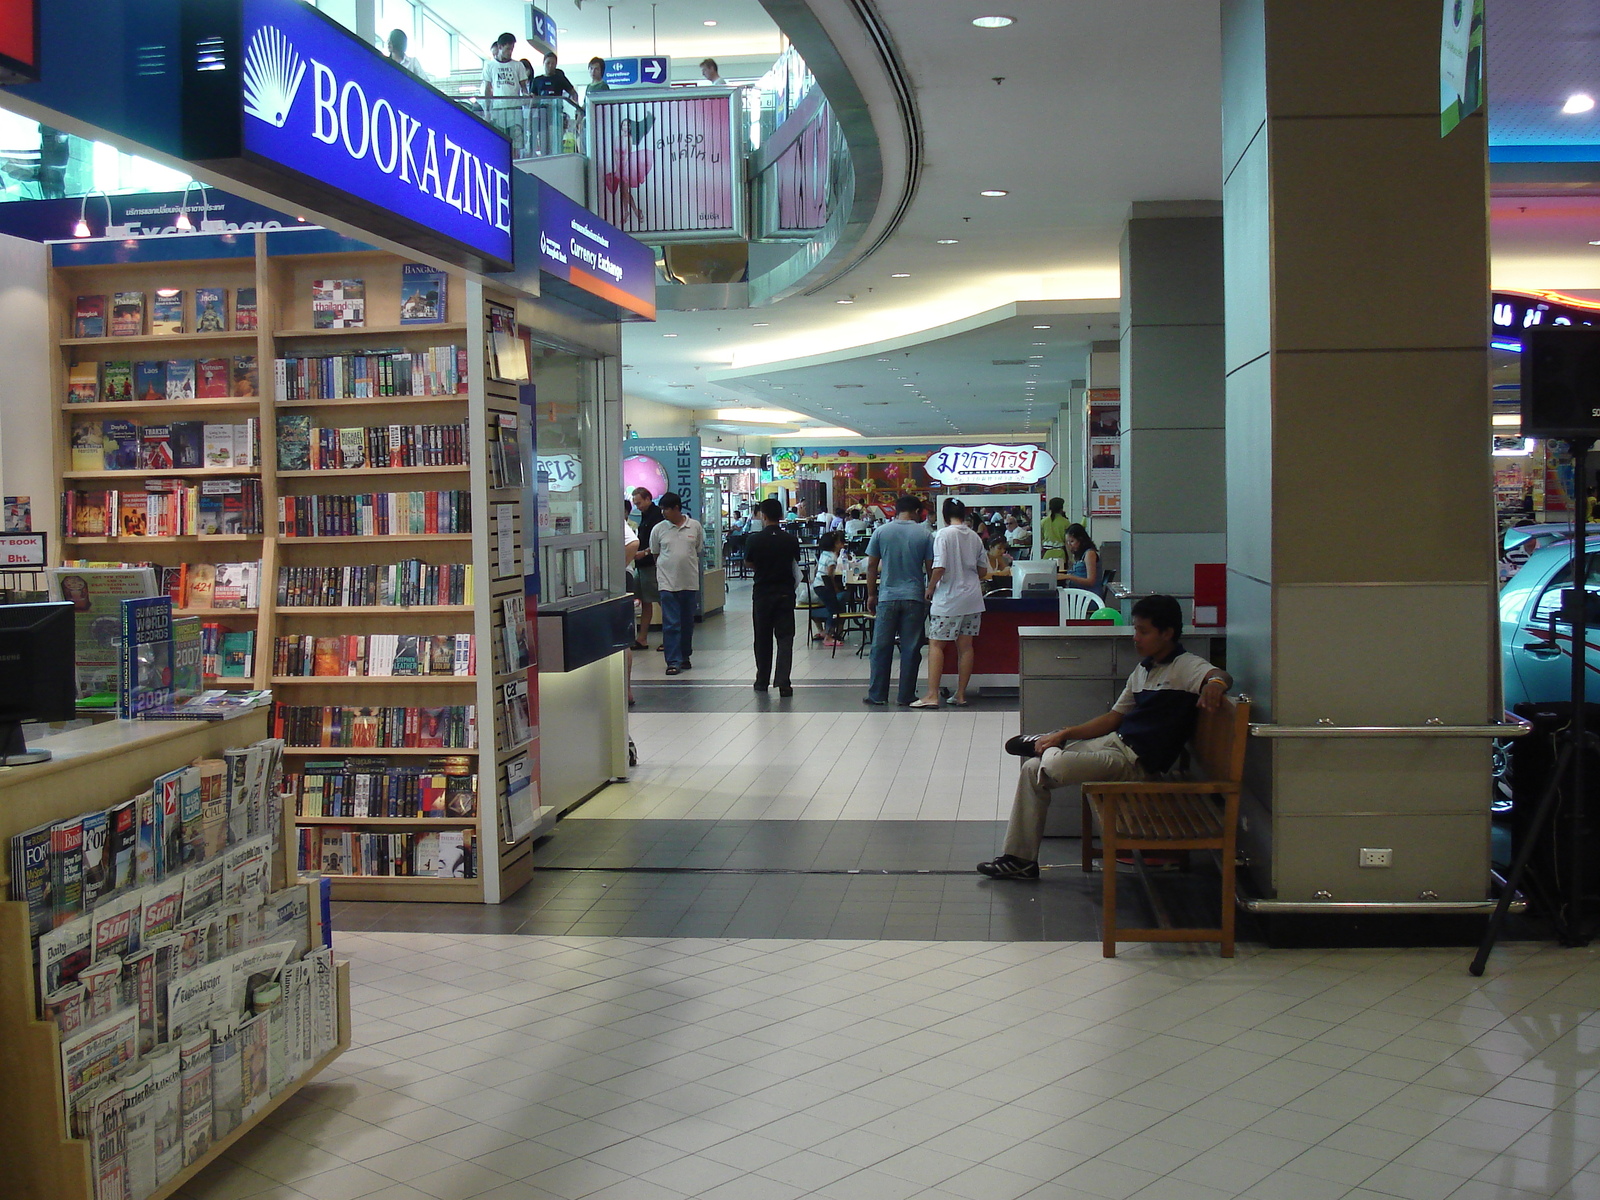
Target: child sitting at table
828, 582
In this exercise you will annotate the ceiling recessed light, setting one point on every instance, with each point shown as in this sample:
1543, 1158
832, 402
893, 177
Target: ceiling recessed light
993, 22
946, 241
1594, 243
1578, 102
669, 335
1038, 343
992, 192
901, 275
1041, 327
844, 301
759, 324
708, 22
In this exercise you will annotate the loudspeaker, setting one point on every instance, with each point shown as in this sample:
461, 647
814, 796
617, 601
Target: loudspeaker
1561, 381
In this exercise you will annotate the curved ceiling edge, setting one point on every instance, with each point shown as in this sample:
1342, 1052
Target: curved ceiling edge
849, 51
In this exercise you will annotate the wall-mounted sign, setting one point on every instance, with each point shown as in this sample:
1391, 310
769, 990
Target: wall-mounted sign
666, 168
651, 71
989, 464
284, 98
564, 471
19, 40
733, 464
1512, 312
593, 255
541, 30
19, 551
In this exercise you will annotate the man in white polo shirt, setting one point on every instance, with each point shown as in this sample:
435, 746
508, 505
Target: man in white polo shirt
1141, 737
676, 543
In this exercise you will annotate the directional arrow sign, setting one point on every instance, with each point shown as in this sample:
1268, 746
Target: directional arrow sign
653, 70
631, 72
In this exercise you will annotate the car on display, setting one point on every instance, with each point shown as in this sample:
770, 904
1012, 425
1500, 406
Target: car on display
1535, 643
1520, 541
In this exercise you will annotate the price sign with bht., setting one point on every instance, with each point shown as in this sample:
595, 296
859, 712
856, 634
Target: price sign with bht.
22, 551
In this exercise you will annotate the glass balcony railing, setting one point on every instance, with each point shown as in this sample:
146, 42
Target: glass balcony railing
538, 126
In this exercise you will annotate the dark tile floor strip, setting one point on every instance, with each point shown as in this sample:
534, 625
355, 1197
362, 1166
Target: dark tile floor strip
810, 697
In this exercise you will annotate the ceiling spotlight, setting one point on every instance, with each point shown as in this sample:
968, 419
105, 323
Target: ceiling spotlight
669, 335
851, 300
995, 22
946, 241
1035, 356
1041, 327
992, 192
760, 324
901, 275
1594, 243
1578, 102
708, 22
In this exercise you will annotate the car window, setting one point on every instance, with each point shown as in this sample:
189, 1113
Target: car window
1550, 598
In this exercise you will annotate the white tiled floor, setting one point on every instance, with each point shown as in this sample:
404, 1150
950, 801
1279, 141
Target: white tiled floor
871, 765
520, 1068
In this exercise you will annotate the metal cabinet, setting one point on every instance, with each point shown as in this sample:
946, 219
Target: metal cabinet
1071, 673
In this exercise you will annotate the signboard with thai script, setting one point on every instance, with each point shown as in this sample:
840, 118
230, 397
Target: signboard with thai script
667, 168
286, 99
989, 464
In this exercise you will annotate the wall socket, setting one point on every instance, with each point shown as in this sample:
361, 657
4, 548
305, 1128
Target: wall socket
1377, 858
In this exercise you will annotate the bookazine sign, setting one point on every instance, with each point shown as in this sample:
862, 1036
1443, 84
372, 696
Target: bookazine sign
320, 118
594, 256
989, 464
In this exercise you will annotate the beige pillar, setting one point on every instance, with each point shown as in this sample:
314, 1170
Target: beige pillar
1360, 534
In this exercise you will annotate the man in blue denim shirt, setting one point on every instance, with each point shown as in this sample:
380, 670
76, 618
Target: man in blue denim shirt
904, 550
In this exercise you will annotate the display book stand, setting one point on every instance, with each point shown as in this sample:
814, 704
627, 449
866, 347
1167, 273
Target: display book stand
39, 1161
282, 265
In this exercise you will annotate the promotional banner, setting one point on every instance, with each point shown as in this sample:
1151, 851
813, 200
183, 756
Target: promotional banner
664, 465
666, 168
579, 248
1105, 452
297, 105
1460, 62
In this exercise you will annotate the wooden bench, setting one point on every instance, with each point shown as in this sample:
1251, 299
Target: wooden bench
1200, 813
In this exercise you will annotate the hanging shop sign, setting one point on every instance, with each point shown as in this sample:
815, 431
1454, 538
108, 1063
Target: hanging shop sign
664, 465
989, 464
594, 256
541, 30
283, 98
1512, 312
649, 71
19, 40
734, 464
564, 471
666, 168
1460, 62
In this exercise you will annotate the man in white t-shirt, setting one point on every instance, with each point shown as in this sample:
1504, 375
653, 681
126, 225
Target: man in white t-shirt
505, 80
955, 602
1140, 737
676, 542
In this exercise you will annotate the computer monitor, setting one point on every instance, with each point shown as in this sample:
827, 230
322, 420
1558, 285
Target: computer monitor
1034, 577
37, 675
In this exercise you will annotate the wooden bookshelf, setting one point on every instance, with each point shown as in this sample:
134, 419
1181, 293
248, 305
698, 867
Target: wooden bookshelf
285, 328
398, 822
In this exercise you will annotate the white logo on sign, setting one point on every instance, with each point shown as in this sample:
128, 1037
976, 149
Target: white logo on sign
272, 75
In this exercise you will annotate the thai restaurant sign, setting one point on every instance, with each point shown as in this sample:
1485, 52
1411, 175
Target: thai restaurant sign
19, 40
283, 98
989, 464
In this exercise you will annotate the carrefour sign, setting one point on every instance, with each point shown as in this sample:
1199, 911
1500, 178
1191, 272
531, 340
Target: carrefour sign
989, 465
326, 120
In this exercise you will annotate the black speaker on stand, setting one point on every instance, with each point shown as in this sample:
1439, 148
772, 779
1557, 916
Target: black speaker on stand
1561, 399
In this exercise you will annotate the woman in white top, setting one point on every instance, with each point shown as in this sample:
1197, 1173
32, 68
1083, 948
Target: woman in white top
828, 582
955, 594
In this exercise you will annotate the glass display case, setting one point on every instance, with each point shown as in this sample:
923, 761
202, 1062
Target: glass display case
713, 501
566, 427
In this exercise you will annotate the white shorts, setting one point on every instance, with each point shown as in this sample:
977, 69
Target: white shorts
948, 629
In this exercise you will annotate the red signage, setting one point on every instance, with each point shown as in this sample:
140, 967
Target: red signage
19, 41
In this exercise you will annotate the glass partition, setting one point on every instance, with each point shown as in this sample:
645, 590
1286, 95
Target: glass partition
567, 439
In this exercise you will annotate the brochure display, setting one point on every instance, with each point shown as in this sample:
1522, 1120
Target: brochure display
165, 984
332, 487
1104, 448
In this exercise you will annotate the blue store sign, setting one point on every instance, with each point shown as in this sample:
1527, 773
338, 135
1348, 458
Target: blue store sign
284, 98
541, 30
651, 71
595, 257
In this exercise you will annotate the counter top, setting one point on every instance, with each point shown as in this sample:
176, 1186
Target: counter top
80, 747
1103, 629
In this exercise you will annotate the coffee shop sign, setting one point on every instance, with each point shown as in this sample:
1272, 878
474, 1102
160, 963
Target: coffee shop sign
989, 464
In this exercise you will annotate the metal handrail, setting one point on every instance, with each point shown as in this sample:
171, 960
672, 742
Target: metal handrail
1433, 727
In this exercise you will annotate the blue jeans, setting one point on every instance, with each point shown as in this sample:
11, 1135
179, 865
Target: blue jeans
677, 625
833, 604
905, 619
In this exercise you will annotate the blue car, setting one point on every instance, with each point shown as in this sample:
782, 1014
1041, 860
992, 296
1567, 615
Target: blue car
1535, 644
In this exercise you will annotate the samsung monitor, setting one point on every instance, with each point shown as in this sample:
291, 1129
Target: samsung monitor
1034, 577
37, 675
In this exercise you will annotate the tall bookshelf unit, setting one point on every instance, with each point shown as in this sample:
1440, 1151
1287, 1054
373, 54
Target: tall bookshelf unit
281, 266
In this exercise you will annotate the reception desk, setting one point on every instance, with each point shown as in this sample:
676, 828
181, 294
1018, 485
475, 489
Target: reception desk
1070, 673
996, 661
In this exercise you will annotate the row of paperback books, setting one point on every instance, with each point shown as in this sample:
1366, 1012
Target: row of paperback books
376, 655
169, 313
367, 374
400, 584
227, 653
448, 854
165, 508
123, 445
305, 447
187, 817
212, 585
364, 787
351, 727
117, 381
375, 514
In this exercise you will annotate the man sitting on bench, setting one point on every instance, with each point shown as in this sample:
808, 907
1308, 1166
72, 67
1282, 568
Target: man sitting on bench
1141, 737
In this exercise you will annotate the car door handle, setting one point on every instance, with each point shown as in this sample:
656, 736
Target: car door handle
1543, 649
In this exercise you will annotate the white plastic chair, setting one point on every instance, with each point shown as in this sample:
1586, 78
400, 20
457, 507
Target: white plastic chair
1077, 603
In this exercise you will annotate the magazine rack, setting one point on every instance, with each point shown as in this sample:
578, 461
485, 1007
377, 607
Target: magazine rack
282, 266
114, 760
